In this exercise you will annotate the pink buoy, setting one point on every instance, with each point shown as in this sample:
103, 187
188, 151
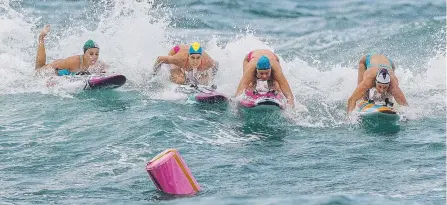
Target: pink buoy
171, 175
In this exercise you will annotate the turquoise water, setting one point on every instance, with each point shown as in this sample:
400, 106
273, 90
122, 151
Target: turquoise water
62, 145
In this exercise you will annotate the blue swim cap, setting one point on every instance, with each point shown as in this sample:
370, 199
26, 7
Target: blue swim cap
195, 48
263, 63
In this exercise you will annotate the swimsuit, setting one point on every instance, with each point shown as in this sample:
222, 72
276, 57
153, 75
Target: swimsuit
369, 65
66, 71
249, 56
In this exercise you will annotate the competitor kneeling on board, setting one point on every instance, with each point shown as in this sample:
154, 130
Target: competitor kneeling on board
376, 72
263, 66
189, 65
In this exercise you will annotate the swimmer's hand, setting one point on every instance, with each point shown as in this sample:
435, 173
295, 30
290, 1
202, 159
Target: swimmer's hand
290, 100
156, 67
290, 104
215, 68
45, 30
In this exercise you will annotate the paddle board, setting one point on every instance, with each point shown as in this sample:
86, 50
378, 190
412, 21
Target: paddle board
105, 82
263, 100
202, 94
372, 111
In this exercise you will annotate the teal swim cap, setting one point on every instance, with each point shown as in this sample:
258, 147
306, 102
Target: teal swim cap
263, 63
195, 48
90, 44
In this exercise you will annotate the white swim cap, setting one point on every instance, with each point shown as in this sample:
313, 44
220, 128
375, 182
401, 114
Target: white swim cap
383, 77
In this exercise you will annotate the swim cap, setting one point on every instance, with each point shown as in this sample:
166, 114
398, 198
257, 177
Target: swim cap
263, 63
195, 48
90, 44
383, 77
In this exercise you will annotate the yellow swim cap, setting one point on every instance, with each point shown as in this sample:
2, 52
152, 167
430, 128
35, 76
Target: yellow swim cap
195, 48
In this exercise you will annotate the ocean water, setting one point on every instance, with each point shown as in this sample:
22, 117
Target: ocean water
63, 145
